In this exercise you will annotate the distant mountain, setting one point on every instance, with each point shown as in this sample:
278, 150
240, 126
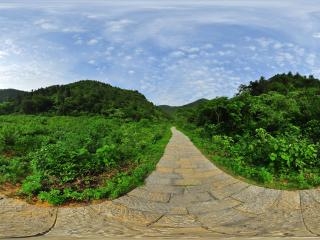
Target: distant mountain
84, 97
10, 94
170, 110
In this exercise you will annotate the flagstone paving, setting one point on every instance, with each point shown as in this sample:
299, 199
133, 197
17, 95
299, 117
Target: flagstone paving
186, 196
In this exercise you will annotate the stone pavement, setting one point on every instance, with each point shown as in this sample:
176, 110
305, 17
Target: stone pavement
185, 197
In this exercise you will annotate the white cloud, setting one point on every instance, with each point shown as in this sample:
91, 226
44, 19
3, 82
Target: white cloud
46, 24
316, 35
277, 45
128, 58
283, 58
225, 53
207, 46
92, 41
190, 49
75, 29
252, 48
311, 59
3, 54
118, 25
177, 54
264, 42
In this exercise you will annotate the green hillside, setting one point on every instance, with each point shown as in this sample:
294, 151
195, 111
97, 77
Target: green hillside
10, 94
82, 98
171, 110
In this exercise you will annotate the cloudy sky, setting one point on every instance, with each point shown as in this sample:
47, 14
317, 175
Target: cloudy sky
173, 52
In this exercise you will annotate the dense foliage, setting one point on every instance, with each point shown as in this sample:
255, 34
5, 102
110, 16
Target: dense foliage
10, 94
60, 159
82, 98
269, 132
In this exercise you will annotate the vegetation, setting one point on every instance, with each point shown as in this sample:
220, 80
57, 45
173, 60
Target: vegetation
83, 98
10, 94
268, 133
59, 159
77, 142
171, 110
88, 140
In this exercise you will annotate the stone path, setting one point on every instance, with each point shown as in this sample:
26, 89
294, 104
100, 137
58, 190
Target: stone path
187, 196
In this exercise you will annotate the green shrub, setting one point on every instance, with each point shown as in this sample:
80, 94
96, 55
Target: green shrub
32, 185
63, 159
54, 197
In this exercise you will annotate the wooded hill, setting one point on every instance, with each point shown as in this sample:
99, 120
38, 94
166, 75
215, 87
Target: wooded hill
10, 94
83, 97
170, 110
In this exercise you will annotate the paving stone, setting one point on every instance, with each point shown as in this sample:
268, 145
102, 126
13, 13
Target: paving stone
182, 170
229, 221
260, 203
202, 174
186, 182
226, 189
143, 205
164, 189
188, 199
314, 193
281, 222
87, 222
164, 169
158, 180
288, 201
150, 195
248, 194
19, 219
115, 211
160, 176
168, 164
178, 221
310, 212
200, 208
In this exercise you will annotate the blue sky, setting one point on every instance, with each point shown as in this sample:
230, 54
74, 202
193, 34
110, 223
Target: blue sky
173, 52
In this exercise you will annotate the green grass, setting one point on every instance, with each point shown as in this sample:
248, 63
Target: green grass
63, 159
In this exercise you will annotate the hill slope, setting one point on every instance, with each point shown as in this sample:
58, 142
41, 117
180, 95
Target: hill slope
10, 94
170, 110
84, 97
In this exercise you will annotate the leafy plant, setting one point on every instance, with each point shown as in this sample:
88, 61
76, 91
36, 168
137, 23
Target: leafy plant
81, 158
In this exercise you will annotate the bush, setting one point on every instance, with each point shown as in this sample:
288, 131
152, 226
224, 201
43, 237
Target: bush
32, 185
63, 159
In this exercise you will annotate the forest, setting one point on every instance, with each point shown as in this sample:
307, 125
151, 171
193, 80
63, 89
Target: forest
84, 97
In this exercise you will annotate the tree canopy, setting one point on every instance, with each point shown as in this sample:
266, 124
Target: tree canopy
83, 97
